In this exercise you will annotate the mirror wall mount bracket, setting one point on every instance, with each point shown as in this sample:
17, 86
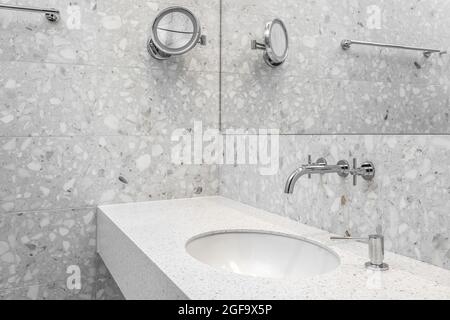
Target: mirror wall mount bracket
159, 49
203, 40
155, 52
258, 46
273, 57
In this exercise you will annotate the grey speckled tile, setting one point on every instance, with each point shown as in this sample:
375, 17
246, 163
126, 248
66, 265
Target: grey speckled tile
304, 106
8, 167
38, 247
65, 100
145, 172
49, 291
153, 102
59, 173
47, 99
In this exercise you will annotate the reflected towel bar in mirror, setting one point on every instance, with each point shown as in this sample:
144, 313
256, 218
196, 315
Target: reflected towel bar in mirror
346, 44
50, 14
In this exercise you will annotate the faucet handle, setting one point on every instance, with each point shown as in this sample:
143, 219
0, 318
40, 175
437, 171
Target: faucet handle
309, 163
366, 171
355, 176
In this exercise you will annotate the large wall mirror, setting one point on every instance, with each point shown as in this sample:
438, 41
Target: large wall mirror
322, 88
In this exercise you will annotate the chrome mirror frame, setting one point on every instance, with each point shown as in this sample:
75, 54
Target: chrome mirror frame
161, 52
270, 57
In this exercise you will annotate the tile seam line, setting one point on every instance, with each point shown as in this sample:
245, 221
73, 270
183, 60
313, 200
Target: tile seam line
319, 79
223, 132
86, 136
37, 284
52, 210
105, 66
343, 134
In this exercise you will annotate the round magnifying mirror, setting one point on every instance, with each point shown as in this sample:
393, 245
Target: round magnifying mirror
175, 31
276, 43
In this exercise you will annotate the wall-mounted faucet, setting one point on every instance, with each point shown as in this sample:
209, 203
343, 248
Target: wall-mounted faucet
376, 251
342, 168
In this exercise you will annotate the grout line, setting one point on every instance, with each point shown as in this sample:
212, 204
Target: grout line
220, 63
41, 284
47, 210
84, 136
321, 79
340, 134
224, 133
37, 284
151, 68
96, 258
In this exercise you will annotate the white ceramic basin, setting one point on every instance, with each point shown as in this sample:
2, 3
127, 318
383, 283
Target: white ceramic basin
263, 254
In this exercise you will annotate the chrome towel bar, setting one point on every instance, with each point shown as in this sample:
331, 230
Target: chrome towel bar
52, 15
346, 44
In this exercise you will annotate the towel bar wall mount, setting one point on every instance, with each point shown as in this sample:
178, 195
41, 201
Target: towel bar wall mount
52, 15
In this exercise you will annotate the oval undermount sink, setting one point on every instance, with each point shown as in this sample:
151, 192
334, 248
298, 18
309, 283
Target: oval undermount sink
263, 254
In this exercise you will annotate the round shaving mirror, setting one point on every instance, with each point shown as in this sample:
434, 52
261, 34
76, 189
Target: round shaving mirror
175, 31
276, 43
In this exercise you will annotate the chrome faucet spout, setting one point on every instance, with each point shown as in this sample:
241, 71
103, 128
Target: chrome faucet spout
342, 169
293, 178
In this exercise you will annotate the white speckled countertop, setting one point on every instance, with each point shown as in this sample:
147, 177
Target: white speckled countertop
161, 229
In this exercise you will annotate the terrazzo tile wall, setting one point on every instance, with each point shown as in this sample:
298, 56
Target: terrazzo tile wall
85, 119
323, 89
